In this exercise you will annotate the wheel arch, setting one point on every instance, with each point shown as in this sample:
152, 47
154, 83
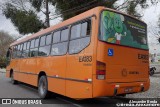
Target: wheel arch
11, 71
41, 73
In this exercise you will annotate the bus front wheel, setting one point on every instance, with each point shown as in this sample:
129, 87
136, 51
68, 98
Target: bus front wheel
13, 81
43, 87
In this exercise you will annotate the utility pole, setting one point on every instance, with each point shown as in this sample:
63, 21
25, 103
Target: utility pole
47, 14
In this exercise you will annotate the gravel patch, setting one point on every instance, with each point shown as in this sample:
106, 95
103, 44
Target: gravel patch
154, 90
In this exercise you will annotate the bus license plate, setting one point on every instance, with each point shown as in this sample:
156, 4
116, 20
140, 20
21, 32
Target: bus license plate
127, 90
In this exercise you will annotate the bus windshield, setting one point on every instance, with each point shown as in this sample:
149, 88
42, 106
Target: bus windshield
123, 30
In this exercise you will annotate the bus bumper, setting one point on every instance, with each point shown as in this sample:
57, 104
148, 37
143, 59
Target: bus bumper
114, 89
129, 88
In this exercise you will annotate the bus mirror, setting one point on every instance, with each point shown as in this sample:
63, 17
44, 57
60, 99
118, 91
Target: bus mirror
8, 54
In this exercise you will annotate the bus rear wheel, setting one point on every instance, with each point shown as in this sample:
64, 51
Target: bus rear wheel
13, 81
43, 87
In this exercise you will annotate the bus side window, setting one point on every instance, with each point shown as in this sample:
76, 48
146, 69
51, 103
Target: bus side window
24, 50
56, 37
32, 43
76, 31
33, 49
18, 51
78, 44
45, 46
28, 45
27, 51
59, 47
49, 39
43, 41
21, 51
37, 42
14, 52
86, 28
64, 35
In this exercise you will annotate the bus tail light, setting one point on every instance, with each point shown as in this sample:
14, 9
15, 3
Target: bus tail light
101, 70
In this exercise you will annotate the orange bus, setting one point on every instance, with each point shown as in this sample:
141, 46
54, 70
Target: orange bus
100, 52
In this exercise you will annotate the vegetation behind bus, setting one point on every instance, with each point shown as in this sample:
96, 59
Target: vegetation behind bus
5, 41
16, 10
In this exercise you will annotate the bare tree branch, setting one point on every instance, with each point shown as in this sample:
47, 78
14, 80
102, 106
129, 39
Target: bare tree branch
122, 5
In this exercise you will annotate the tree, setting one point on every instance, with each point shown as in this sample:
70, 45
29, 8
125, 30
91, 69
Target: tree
24, 13
5, 41
25, 20
38, 5
158, 31
69, 8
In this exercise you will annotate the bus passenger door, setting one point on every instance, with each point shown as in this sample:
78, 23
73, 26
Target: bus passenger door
58, 56
79, 61
17, 62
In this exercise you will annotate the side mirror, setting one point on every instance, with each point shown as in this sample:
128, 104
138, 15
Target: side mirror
8, 54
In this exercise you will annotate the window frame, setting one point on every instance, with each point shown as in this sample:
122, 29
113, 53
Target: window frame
53, 36
40, 40
28, 48
82, 21
69, 32
25, 44
23, 48
13, 50
60, 29
52, 33
31, 43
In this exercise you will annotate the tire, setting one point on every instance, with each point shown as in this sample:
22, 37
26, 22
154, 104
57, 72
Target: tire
43, 87
121, 95
13, 81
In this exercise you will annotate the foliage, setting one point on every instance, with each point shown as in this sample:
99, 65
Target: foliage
25, 21
37, 4
70, 8
5, 41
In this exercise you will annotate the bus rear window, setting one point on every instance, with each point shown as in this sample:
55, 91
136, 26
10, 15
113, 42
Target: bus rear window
123, 30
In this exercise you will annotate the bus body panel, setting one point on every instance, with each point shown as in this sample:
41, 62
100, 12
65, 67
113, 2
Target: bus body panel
59, 69
124, 60
56, 85
13, 65
78, 90
28, 71
103, 88
79, 68
124, 69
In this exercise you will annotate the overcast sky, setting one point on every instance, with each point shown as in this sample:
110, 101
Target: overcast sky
150, 17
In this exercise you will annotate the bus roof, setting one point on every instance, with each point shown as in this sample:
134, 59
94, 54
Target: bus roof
74, 19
